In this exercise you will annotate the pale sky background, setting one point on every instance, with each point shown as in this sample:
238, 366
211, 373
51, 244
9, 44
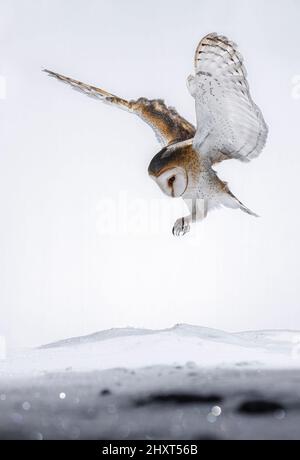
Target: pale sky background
63, 153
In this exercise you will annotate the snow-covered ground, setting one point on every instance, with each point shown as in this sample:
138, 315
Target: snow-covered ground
186, 382
134, 348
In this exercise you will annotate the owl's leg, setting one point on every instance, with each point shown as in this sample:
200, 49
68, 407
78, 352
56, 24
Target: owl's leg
198, 209
182, 226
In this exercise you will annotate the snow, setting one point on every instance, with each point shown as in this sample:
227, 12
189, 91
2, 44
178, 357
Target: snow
185, 382
181, 344
2, 348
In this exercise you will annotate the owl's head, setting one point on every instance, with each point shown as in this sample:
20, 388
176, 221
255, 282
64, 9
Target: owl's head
169, 173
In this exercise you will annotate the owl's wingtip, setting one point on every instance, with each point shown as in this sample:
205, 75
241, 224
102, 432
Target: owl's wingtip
48, 72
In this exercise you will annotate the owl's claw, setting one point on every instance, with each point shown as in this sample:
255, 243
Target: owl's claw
181, 227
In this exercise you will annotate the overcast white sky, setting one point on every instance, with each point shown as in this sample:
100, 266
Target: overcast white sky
63, 153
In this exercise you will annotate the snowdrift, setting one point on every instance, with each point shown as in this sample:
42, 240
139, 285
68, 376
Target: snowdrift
179, 345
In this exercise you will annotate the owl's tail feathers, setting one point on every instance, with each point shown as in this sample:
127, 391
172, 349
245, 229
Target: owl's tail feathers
233, 202
247, 210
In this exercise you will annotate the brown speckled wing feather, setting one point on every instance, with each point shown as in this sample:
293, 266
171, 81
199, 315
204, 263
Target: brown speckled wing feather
167, 124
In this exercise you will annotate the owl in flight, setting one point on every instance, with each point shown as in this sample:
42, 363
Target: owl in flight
229, 125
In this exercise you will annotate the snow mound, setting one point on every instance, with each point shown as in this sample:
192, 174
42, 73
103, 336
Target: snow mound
180, 345
273, 339
179, 329
99, 336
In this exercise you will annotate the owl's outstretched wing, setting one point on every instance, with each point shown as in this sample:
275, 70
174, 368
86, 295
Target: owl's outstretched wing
167, 124
229, 123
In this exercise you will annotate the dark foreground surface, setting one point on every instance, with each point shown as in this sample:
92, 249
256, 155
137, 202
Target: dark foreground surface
153, 403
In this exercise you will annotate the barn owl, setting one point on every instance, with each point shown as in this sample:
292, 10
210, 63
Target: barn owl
229, 126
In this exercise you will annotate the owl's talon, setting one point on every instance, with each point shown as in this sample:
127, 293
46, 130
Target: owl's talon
181, 227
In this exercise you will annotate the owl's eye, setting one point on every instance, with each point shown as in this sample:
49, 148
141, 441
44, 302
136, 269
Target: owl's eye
171, 181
